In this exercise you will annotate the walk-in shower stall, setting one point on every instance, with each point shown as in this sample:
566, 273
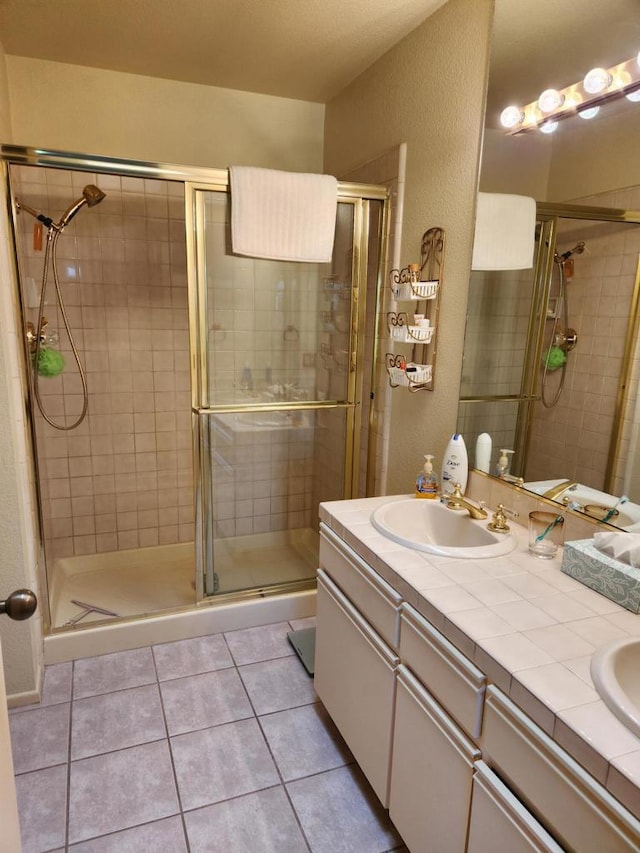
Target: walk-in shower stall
550, 356
223, 393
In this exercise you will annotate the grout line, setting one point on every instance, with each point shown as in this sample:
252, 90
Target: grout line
68, 797
171, 756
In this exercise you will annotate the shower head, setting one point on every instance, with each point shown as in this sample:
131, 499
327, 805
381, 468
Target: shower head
91, 195
578, 249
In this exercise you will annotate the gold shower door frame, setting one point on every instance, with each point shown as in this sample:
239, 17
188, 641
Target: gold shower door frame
358, 196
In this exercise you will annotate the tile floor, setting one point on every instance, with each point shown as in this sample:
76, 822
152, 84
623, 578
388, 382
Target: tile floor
212, 744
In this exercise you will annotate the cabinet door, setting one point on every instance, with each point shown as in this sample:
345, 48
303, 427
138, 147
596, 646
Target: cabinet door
431, 772
580, 813
355, 679
500, 823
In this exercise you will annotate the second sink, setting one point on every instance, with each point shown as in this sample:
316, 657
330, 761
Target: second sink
614, 669
427, 525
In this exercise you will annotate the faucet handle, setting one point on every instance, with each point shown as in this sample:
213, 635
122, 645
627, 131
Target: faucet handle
498, 523
454, 500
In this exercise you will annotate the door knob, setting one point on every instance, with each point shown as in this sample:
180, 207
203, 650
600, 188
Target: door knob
21, 604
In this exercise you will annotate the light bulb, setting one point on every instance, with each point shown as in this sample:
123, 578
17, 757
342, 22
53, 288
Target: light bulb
549, 127
633, 96
590, 113
511, 116
597, 80
550, 100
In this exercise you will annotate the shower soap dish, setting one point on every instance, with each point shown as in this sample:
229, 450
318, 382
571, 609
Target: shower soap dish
411, 334
415, 290
412, 374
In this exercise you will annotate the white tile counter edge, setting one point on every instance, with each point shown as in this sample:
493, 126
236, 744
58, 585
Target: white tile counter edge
530, 628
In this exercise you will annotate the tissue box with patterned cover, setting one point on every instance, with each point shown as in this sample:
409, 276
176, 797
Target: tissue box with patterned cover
617, 581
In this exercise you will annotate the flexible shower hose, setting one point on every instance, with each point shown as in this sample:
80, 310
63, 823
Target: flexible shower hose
50, 253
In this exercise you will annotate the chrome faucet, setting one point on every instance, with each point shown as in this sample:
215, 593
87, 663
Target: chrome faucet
456, 500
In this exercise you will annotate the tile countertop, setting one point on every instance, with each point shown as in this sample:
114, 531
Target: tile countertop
530, 628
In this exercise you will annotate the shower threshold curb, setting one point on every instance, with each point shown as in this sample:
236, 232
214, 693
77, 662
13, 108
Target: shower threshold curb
169, 627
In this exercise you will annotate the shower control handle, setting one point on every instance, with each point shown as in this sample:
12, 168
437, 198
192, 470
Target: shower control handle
20, 605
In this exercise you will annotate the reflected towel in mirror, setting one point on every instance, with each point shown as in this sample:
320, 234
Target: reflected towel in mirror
505, 232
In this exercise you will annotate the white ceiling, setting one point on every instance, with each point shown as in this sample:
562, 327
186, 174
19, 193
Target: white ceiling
311, 49
307, 49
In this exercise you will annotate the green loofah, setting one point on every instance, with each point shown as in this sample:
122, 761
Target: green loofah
554, 358
50, 362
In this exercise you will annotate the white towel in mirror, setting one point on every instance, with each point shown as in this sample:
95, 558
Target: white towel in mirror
505, 232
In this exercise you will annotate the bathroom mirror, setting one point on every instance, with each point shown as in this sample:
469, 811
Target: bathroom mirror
588, 184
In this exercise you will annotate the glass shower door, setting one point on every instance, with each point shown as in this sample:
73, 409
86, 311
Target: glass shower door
276, 402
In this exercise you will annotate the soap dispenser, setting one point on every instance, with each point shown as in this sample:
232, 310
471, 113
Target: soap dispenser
504, 463
426, 481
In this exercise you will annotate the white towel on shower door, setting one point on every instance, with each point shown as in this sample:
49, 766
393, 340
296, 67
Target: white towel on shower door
288, 216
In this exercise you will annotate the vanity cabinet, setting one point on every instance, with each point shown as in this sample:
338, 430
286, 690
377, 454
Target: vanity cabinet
579, 813
461, 768
431, 773
500, 823
438, 712
355, 664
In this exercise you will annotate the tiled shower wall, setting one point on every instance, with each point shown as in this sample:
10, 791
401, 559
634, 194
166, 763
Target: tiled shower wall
123, 478
572, 439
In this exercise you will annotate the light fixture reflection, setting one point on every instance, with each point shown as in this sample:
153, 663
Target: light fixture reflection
550, 100
585, 97
597, 80
511, 116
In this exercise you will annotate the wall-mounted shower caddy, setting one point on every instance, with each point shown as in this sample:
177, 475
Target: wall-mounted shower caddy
416, 325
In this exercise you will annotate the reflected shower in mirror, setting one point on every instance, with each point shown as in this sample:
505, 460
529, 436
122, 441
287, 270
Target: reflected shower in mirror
568, 413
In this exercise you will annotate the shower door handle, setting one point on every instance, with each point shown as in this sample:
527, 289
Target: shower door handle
20, 605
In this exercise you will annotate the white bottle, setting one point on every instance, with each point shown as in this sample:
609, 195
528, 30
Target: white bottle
455, 467
483, 452
504, 463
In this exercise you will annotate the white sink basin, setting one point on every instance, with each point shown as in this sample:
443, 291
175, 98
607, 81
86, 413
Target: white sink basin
428, 525
615, 669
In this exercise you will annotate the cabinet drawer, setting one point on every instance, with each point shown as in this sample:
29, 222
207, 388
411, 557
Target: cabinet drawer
576, 809
373, 596
500, 823
355, 679
432, 771
446, 672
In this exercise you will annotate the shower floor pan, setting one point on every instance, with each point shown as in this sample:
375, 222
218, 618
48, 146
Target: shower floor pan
149, 580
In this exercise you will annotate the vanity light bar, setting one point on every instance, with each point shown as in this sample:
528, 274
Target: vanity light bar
584, 98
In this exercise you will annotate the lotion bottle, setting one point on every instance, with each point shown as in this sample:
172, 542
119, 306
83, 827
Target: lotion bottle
455, 467
426, 481
483, 452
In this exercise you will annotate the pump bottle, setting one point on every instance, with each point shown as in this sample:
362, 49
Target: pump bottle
426, 481
504, 463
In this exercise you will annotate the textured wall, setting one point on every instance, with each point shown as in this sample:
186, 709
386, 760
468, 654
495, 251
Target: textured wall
428, 91
136, 117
